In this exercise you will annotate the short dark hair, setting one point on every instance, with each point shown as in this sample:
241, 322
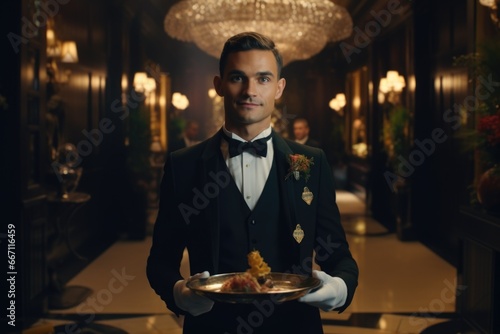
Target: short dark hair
301, 119
247, 41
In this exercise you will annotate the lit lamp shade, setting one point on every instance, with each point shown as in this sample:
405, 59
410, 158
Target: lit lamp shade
69, 53
155, 147
392, 82
340, 97
392, 76
399, 84
149, 85
54, 49
140, 79
384, 85
51, 36
212, 93
334, 104
180, 101
487, 3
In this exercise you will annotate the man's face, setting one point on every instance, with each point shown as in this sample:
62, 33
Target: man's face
192, 131
250, 86
300, 130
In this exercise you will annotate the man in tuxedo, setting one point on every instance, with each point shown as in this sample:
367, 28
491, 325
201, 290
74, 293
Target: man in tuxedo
301, 132
189, 137
234, 193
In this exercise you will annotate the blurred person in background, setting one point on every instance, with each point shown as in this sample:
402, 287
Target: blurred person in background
190, 137
301, 133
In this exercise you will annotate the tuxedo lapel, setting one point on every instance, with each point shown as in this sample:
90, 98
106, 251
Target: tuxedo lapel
290, 195
210, 166
287, 189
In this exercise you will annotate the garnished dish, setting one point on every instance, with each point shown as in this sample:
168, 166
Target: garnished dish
255, 284
254, 279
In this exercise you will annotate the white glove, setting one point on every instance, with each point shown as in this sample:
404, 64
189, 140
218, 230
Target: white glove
332, 294
188, 300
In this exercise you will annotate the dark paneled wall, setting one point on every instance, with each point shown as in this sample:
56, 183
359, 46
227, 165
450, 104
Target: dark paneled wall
23, 201
310, 86
84, 97
442, 31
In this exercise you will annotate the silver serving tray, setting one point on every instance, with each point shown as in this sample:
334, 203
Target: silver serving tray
286, 287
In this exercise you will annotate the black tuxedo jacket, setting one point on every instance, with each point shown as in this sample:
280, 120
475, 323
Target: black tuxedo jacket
188, 216
313, 143
176, 144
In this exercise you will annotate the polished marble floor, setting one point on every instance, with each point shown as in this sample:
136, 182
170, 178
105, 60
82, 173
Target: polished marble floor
403, 287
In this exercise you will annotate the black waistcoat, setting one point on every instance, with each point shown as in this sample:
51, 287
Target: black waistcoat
263, 229
243, 230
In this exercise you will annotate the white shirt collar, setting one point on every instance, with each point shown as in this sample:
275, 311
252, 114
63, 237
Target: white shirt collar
302, 141
249, 172
263, 134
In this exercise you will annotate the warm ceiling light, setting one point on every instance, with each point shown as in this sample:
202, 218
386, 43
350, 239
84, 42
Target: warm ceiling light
299, 28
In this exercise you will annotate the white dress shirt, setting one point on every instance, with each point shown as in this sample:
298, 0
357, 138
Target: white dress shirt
303, 140
249, 171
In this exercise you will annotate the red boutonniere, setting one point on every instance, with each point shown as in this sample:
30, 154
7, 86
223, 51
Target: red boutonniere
299, 165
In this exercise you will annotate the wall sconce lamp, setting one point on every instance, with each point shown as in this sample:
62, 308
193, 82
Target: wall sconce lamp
338, 103
143, 83
392, 86
392, 82
59, 51
494, 12
180, 101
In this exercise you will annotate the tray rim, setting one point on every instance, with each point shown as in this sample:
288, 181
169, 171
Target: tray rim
248, 297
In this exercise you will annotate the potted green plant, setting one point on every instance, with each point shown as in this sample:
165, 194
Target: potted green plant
139, 171
484, 137
396, 134
396, 144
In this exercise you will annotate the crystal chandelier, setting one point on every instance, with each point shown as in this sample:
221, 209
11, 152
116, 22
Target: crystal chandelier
299, 28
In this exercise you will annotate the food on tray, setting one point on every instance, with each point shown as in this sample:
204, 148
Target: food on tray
245, 283
258, 268
253, 280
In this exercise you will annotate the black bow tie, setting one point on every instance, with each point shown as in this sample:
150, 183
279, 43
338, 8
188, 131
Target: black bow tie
257, 147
